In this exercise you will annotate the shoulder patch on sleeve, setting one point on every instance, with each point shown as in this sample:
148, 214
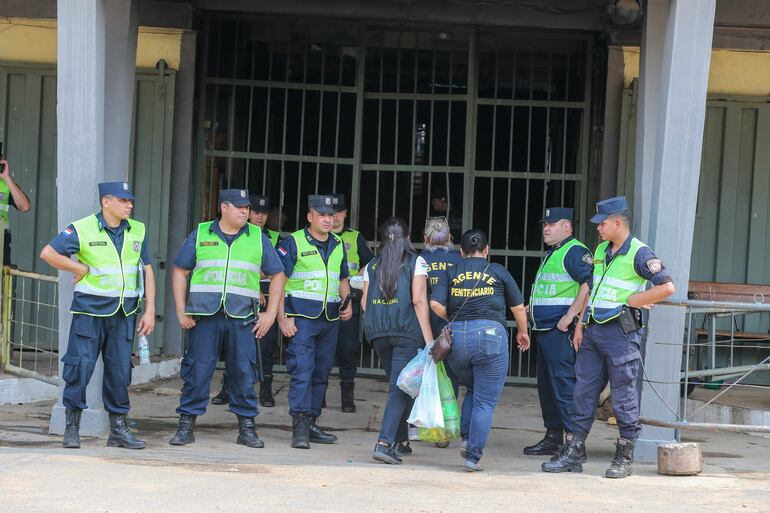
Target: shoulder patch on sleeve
654, 265
68, 231
588, 259
282, 251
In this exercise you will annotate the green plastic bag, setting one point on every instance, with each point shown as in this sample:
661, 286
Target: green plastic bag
450, 409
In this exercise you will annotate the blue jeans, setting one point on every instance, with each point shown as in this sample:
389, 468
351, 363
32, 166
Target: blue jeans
479, 356
395, 353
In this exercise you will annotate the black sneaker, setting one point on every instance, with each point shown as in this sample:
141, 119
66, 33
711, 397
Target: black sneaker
404, 449
386, 454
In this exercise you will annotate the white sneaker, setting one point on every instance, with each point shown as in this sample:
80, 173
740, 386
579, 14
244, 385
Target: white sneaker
413, 434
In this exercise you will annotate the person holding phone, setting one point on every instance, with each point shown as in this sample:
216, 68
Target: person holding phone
11, 195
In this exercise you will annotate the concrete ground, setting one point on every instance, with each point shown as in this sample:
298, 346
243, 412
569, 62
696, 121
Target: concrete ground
214, 474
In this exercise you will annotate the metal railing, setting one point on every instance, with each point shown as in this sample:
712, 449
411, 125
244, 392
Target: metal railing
704, 346
29, 319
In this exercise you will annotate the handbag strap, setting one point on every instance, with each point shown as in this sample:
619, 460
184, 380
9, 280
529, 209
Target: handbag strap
467, 298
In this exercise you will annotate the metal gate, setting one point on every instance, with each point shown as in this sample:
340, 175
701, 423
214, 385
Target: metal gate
397, 118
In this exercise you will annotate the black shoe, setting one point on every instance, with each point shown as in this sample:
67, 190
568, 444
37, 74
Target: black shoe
266, 398
323, 403
570, 459
120, 435
561, 450
221, 397
404, 449
348, 397
550, 444
247, 433
317, 436
184, 431
300, 437
71, 438
386, 454
622, 463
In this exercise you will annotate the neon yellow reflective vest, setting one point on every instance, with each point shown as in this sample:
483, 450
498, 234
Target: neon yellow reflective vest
350, 240
614, 283
554, 289
313, 281
110, 274
225, 276
5, 202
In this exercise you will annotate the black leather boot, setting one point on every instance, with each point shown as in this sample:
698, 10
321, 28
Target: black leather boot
221, 397
558, 453
571, 457
72, 429
550, 444
622, 463
184, 431
120, 435
247, 433
347, 389
266, 398
317, 436
300, 437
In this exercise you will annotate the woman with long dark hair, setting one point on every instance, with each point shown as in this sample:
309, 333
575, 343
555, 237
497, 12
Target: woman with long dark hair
397, 322
474, 296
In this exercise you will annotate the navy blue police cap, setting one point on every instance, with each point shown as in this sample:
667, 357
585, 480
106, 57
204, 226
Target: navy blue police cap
236, 197
555, 214
608, 207
260, 203
323, 204
338, 202
117, 189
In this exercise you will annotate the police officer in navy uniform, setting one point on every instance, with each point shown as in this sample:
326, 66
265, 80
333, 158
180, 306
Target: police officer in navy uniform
558, 296
258, 216
358, 255
608, 338
224, 260
112, 273
317, 280
11, 195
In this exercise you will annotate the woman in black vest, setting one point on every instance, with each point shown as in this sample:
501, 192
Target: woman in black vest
397, 321
474, 295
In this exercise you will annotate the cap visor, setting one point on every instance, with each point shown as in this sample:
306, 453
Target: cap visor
123, 195
241, 203
323, 210
598, 218
260, 209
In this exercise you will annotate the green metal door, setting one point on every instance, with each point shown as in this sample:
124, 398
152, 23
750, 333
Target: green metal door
28, 131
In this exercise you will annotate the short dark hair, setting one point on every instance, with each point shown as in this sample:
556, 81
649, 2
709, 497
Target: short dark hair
625, 218
473, 241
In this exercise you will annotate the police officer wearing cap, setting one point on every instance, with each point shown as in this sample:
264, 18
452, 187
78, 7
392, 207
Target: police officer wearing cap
258, 216
349, 341
112, 274
317, 279
224, 260
608, 338
558, 296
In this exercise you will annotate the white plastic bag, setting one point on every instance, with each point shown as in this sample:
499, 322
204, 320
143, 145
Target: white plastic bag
427, 412
410, 378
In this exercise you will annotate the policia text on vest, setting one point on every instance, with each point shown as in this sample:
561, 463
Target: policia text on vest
112, 275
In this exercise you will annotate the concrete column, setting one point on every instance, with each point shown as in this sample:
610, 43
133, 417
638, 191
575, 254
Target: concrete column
181, 181
120, 69
613, 104
79, 159
672, 182
648, 103
83, 132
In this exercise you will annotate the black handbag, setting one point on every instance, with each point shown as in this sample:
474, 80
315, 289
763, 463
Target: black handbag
443, 344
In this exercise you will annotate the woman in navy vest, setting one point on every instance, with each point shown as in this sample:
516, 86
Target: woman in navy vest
397, 321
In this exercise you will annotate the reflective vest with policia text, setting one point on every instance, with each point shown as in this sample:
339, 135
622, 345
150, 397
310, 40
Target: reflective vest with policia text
313, 280
350, 240
553, 284
225, 276
110, 274
614, 283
